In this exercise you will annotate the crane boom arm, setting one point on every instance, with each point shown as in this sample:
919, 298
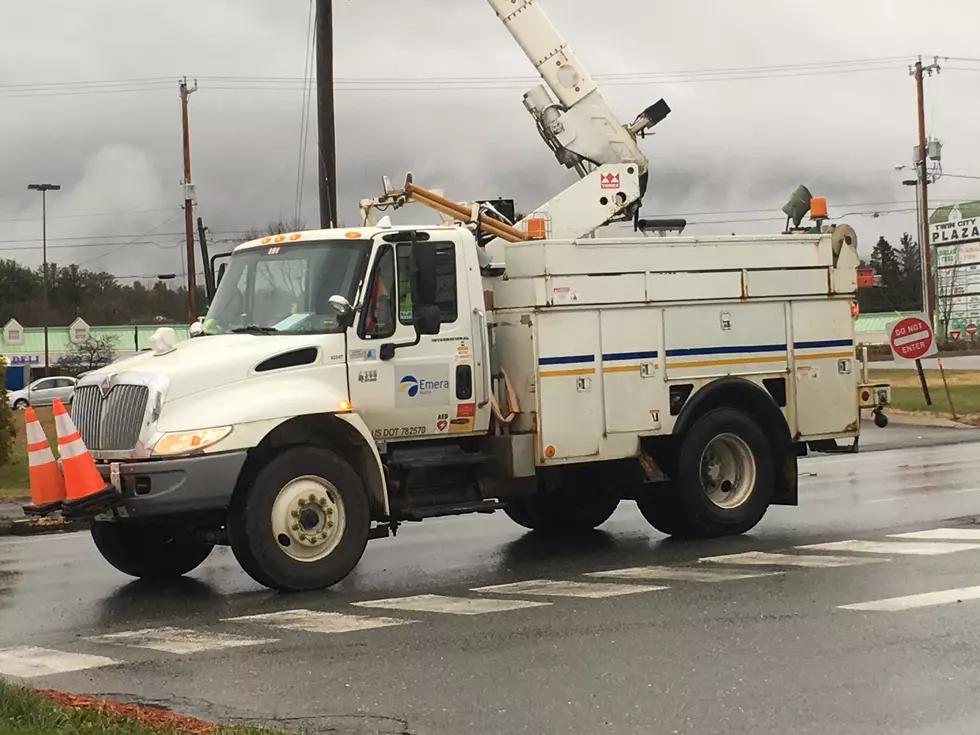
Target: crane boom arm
571, 114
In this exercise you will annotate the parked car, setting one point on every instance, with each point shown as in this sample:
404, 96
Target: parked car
43, 392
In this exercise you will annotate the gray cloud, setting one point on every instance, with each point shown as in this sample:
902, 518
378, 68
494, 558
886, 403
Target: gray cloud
729, 146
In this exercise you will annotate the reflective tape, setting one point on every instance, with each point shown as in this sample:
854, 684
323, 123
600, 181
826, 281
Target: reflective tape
72, 449
40, 457
35, 433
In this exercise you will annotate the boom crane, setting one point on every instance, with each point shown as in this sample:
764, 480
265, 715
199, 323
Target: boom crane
579, 127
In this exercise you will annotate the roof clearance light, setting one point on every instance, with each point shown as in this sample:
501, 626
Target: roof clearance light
353, 235
266, 240
537, 228
295, 236
280, 238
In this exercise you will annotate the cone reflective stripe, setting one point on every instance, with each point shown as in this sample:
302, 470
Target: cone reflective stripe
87, 493
47, 484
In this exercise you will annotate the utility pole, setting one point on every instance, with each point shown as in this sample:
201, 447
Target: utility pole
922, 163
326, 120
185, 93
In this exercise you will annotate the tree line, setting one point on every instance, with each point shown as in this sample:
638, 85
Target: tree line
99, 298
900, 273
96, 296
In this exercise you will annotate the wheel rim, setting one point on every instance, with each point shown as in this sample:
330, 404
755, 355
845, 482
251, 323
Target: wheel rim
308, 518
728, 471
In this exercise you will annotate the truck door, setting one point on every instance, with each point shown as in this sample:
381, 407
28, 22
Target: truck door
427, 389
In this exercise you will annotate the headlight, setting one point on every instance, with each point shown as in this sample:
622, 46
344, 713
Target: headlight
185, 442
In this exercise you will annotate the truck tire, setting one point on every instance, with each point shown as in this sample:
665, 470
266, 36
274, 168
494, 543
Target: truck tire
572, 504
149, 551
724, 481
303, 521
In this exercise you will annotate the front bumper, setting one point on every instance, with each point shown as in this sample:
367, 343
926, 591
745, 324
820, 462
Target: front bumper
152, 488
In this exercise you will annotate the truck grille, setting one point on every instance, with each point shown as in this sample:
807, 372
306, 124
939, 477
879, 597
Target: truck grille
110, 423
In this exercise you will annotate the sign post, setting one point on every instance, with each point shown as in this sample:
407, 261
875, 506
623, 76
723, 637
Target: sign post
911, 340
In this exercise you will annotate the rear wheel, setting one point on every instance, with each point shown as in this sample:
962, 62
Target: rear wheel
724, 481
303, 523
149, 551
569, 502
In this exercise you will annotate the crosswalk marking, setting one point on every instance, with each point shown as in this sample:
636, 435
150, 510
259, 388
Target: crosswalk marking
450, 605
28, 662
555, 588
763, 558
942, 534
312, 621
683, 574
911, 602
892, 547
179, 640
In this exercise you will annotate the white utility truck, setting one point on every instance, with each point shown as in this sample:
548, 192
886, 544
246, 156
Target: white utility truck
347, 381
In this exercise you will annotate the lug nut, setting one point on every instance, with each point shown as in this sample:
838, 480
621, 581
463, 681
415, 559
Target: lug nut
295, 526
295, 514
312, 498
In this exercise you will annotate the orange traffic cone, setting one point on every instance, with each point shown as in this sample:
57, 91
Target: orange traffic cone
87, 494
47, 484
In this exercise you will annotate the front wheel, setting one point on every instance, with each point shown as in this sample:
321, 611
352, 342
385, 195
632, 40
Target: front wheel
20, 405
303, 522
149, 551
724, 483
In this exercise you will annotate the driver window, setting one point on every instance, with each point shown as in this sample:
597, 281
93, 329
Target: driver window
379, 301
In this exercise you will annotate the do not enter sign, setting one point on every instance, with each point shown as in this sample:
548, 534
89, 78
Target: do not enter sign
912, 339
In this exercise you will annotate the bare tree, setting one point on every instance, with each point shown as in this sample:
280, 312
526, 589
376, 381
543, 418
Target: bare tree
93, 353
947, 287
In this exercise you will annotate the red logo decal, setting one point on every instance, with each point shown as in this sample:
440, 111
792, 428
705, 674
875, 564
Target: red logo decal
466, 410
609, 181
441, 424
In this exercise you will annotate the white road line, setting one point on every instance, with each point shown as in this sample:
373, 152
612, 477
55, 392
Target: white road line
910, 548
450, 605
924, 496
28, 662
555, 588
911, 602
684, 574
762, 558
179, 640
946, 534
312, 621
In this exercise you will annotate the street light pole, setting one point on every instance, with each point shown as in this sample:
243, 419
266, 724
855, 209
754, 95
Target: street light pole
44, 189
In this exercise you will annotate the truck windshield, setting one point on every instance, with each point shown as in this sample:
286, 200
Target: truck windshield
285, 289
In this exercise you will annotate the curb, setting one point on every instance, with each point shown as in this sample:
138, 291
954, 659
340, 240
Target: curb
39, 526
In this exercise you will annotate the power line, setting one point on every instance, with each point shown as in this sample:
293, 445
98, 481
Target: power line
304, 123
361, 84
76, 215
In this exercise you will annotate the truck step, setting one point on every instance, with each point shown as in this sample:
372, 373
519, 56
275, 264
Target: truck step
435, 460
454, 509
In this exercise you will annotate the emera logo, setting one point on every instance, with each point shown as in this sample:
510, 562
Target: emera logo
413, 386
609, 181
409, 384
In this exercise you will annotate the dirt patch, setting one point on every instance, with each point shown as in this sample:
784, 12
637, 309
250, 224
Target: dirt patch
148, 716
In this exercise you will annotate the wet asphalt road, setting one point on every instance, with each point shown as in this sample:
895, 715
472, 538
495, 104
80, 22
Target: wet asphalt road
717, 652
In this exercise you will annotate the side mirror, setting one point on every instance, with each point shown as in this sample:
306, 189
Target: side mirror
340, 305
344, 309
427, 319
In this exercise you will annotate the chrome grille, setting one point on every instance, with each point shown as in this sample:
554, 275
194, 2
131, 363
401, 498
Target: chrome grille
110, 423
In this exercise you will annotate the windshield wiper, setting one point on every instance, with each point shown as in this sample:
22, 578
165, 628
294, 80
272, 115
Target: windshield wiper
254, 329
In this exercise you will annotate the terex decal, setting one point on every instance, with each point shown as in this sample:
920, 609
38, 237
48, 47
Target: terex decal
609, 181
425, 385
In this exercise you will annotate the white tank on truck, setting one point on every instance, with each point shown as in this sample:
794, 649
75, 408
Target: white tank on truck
345, 382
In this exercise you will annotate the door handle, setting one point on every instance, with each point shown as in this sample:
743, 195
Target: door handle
485, 352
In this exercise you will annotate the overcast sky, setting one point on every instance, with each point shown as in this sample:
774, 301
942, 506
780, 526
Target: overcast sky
736, 144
